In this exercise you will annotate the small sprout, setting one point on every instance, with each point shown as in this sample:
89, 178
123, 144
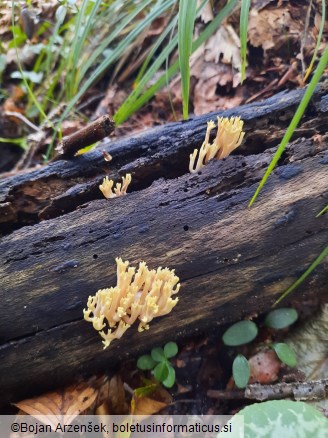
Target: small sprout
139, 294
241, 371
240, 333
281, 318
119, 190
285, 354
229, 137
158, 362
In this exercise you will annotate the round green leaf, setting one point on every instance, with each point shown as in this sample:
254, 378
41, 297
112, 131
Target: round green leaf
146, 362
170, 380
281, 418
158, 354
281, 318
240, 371
161, 371
240, 333
170, 349
285, 354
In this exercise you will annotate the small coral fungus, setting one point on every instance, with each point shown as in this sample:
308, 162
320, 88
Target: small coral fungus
119, 190
229, 137
141, 294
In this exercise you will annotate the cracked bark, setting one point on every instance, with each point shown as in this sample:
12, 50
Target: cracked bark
60, 239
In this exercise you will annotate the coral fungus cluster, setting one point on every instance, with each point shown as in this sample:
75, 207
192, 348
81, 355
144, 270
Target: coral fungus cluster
229, 137
119, 190
141, 294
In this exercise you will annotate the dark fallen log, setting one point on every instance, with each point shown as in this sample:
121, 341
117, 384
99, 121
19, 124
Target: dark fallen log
232, 261
63, 186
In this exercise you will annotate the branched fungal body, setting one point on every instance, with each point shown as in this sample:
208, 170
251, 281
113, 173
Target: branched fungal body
229, 136
141, 294
119, 190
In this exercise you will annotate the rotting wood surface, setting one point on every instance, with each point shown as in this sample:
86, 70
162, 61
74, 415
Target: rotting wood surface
232, 261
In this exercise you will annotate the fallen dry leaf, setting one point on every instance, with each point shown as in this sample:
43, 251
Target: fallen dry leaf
274, 27
64, 405
144, 405
147, 406
115, 397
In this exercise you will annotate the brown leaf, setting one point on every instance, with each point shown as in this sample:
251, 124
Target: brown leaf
116, 397
64, 405
147, 406
143, 405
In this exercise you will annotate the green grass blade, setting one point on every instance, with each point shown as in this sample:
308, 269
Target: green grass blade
128, 105
322, 25
149, 18
30, 92
187, 15
21, 142
295, 120
153, 50
244, 13
127, 19
300, 280
323, 211
71, 61
76, 48
126, 110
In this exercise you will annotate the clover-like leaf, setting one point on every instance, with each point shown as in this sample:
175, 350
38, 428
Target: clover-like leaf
240, 333
240, 371
170, 379
285, 354
281, 318
158, 354
161, 371
146, 362
170, 349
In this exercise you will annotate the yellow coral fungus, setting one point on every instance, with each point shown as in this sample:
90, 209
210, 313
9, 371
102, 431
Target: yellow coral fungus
119, 190
139, 294
229, 137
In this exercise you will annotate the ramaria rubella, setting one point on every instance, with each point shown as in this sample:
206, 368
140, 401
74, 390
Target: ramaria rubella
141, 294
119, 190
229, 137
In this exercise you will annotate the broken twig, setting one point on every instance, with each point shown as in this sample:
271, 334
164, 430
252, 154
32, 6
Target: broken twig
312, 390
95, 131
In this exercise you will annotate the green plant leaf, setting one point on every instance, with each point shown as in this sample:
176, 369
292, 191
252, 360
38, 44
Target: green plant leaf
300, 280
146, 362
170, 379
186, 22
161, 371
244, 12
285, 354
240, 333
21, 142
281, 318
158, 354
241, 371
170, 349
281, 418
319, 39
135, 101
295, 121
323, 211
148, 389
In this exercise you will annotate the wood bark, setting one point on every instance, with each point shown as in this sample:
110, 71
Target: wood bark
60, 239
